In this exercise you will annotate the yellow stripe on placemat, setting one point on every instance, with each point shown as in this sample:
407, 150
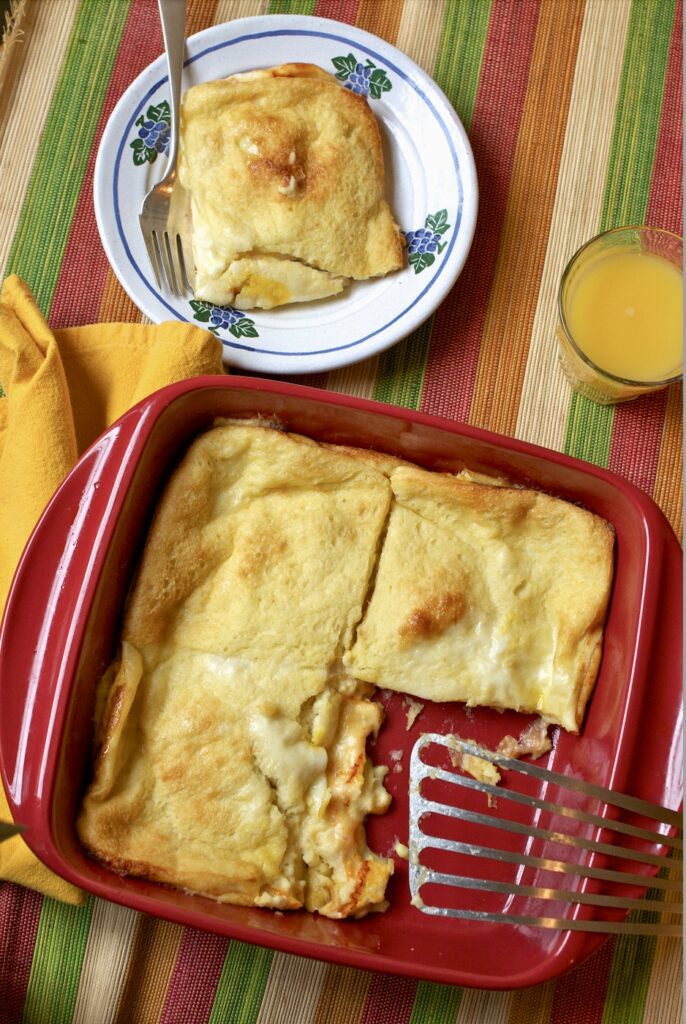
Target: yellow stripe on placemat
380, 18
359, 379
343, 995
200, 14
665, 999
151, 963
227, 10
545, 397
484, 1007
292, 990
420, 31
115, 305
512, 302
25, 103
532, 1005
668, 490
111, 936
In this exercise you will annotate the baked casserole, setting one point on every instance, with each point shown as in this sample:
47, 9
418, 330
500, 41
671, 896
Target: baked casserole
280, 582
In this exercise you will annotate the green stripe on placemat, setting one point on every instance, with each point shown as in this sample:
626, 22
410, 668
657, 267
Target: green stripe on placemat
627, 186
38, 247
241, 984
456, 71
627, 988
435, 1003
56, 964
291, 6
401, 369
634, 141
458, 64
589, 430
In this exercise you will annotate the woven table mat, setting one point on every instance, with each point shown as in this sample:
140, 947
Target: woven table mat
574, 112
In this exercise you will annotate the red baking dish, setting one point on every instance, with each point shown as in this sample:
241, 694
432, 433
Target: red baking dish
60, 628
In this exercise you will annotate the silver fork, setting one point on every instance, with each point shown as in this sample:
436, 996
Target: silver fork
164, 245
541, 862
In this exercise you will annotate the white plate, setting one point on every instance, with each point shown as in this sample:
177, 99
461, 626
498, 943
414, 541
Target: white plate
431, 186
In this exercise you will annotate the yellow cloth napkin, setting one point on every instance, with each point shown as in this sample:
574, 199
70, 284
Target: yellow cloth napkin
62, 389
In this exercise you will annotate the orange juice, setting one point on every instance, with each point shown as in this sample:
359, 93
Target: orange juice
624, 310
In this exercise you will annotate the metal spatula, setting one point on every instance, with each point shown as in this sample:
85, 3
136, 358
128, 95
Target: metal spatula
538, 849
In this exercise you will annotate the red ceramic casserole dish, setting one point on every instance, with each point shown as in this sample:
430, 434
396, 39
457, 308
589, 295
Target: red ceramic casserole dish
60, 629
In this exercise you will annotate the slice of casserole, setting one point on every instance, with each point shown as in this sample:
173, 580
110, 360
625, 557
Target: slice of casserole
232, 757
489, 595
285, 172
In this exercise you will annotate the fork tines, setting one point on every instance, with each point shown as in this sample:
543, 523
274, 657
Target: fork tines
539, 848
166, 254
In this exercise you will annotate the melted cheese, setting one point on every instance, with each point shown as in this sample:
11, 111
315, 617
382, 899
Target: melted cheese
260, 281
286, 757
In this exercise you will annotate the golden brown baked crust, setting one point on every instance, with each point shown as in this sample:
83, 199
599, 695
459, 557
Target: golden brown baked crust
285, 172
224, 712
281, 580
488, 595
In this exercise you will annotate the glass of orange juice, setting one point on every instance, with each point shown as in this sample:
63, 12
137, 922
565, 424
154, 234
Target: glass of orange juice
620, 314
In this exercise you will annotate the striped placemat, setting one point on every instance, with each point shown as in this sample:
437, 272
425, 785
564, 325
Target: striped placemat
574, 111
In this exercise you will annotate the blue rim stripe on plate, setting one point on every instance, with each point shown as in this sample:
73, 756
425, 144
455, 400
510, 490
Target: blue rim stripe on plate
262, 35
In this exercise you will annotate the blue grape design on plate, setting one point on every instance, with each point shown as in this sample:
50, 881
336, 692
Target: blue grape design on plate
223, 318
364, 79
153, 134
424, 244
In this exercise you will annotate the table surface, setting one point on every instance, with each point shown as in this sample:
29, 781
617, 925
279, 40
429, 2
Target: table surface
573, 109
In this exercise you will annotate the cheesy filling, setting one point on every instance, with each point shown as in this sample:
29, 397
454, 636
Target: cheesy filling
257, 281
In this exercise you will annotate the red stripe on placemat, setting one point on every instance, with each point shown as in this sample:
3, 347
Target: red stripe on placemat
389, 1000
636, 433
638, 426
84, 268
580, 996
458, 325
19, 916
196, 974
341, 10
665, 205
308, 380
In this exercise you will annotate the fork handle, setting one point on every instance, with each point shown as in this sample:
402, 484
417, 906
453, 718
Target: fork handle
173, 18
